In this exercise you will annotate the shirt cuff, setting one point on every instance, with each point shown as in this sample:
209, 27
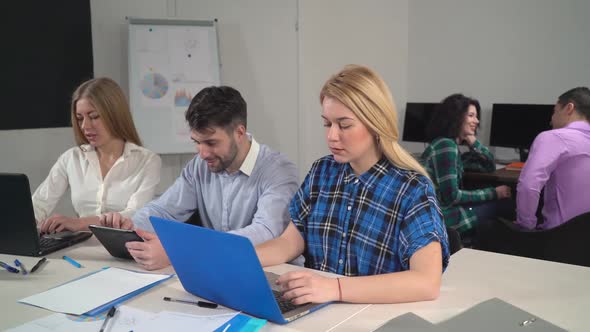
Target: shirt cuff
476, 146
526, 224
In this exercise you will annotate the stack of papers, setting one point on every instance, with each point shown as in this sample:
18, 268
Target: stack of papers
128, 319
95, 292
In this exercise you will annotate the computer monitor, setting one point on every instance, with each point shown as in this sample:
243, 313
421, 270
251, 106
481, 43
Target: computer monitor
517, 125
416, 120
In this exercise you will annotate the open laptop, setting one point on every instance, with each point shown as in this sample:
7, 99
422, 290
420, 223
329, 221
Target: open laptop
18, 229
223, 268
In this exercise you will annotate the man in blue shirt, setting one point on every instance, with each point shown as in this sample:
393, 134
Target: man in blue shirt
234, 184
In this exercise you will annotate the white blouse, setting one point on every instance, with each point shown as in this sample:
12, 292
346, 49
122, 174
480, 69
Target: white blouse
128, 185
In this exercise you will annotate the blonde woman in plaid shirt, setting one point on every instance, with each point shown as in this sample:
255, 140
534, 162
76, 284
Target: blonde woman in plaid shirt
368, 211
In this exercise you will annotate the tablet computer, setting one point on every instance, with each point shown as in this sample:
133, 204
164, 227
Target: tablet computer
114, 239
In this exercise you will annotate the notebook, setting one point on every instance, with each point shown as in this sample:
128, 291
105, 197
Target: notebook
497, 315
95, 292
223, 268
19, 235
408, 322
516, 166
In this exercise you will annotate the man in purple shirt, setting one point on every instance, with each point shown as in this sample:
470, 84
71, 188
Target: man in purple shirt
559, 161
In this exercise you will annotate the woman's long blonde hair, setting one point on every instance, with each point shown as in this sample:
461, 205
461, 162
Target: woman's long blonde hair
368, 97
111, 104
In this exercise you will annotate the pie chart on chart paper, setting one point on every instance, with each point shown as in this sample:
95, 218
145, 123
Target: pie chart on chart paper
154, 85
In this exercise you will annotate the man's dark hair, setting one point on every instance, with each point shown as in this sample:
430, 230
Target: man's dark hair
216, 106
580, 97
449, 115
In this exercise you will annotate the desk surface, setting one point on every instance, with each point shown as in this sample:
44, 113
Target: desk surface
559, 293
500, 175
92, 255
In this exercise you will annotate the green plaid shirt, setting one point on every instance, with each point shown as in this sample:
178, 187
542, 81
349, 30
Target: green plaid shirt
445, 165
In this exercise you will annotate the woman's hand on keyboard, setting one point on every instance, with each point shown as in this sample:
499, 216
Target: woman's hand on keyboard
305, 286
60, 223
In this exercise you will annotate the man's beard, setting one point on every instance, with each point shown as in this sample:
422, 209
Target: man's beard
225, 163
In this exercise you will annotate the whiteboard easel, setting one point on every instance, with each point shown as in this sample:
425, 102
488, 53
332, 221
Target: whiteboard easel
170, 61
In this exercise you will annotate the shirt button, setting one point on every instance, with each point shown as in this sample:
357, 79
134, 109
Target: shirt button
356, 181
340, 261
343, 234
349, 207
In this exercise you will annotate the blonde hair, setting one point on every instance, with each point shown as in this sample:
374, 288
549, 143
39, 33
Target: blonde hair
111, 104
363, 92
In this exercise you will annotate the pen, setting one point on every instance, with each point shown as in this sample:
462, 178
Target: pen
38, 265
9, 268
202, 304
23, 269
73, 262
109, 315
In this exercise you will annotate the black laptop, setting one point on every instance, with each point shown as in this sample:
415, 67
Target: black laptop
18, 229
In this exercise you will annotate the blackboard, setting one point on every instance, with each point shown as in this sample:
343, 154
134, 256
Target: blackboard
169, 62
46, 54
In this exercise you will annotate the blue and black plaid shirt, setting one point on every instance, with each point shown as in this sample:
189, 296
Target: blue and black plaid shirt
366, 225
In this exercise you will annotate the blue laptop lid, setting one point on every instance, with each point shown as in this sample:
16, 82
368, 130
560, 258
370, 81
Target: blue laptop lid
219, 267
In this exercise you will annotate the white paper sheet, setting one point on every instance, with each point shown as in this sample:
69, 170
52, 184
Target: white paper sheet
92, 291
125, 320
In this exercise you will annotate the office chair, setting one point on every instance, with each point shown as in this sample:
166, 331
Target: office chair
454, 240
566, 243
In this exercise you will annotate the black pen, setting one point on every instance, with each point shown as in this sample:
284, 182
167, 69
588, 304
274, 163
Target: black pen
109, 315
38, 265
202, 304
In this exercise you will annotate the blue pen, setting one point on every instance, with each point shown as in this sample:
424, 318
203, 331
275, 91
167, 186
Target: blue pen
23, 269
9, 268
73, 262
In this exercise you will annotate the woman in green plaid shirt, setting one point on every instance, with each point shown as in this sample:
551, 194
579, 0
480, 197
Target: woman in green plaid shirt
455, 122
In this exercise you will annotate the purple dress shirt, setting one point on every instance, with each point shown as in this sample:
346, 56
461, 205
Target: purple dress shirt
559, 160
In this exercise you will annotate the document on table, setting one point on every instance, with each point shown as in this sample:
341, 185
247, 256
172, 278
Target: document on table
127, 319
92, 291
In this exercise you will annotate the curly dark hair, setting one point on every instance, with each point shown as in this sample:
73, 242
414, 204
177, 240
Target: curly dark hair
449, 116
217, 106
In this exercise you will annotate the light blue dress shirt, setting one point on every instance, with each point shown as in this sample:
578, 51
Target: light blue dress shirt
252, 202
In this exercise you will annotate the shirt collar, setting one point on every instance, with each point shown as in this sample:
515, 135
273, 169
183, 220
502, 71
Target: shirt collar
127, 149
369, 177
581, 125
250, 160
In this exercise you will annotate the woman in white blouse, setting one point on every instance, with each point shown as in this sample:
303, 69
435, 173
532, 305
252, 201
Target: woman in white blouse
108, 171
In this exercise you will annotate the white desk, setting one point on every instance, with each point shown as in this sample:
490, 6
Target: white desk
93, 256
559, 293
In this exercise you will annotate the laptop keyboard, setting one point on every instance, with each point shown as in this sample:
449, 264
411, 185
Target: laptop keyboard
284, 305
48, 243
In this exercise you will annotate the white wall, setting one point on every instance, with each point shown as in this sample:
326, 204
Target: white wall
502, 51
334, 33
258, 49
33, 152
